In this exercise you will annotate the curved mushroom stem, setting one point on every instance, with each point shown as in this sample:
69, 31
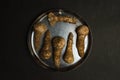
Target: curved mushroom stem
58, 44
82, 32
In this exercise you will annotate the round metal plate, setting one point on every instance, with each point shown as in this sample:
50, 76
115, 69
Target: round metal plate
60, 29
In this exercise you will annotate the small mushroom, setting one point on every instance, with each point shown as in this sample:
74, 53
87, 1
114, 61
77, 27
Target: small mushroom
53, 19
45, 51
58, 44
82, 32
39, 29
68, 55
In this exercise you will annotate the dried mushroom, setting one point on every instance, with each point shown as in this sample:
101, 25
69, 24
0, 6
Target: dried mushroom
58, 44
53, 19
68, 55
82, 32
39, 29
45, 51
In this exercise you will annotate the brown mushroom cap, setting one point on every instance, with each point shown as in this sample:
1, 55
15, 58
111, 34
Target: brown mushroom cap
83, 30
40, 27
58, 42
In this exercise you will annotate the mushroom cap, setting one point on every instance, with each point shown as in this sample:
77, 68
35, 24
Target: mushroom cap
40, 27
83, 30
58, 42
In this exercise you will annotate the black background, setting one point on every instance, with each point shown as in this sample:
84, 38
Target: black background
103, 16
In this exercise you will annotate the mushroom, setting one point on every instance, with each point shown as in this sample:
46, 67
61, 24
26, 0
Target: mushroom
39, 29
68, 55
45, 51
58, 44
82, 32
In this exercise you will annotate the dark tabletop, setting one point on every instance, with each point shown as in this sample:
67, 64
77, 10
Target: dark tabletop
103, 16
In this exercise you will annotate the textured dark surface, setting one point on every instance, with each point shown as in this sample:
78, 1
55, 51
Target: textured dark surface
103, 16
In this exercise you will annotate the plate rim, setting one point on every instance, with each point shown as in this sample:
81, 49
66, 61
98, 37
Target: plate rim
76, 65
